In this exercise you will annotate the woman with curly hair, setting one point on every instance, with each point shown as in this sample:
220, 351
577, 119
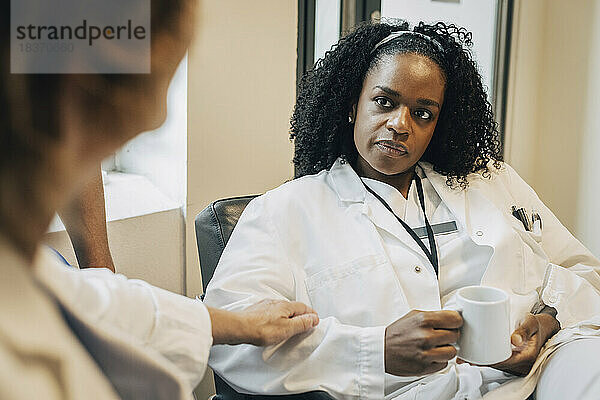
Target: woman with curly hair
401, 199
466, 136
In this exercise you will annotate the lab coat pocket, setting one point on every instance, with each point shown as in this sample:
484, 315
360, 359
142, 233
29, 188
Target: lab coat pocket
361, 292
534, 258
529, 237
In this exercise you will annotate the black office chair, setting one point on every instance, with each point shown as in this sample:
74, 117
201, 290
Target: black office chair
214, 225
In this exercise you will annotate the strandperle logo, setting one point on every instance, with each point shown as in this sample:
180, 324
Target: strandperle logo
80, 36
89, 33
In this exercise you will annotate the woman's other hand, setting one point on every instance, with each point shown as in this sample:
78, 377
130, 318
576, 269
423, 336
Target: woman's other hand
528, 340
420, 342
265, 323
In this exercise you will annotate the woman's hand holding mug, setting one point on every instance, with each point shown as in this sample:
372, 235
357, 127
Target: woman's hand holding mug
420, 342
528, 339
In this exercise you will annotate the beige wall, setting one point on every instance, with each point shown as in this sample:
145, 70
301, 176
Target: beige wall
588, 218
524, 88
242, 77
551, 115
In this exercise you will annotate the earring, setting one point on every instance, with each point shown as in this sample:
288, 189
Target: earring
350, 120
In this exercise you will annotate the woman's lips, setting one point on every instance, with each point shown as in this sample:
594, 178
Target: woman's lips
390, 148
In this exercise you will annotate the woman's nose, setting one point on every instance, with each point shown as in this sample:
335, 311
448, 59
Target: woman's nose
399, 122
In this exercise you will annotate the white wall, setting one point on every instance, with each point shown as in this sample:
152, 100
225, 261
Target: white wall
477, 16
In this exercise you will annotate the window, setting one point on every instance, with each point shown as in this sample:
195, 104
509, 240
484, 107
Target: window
322, 22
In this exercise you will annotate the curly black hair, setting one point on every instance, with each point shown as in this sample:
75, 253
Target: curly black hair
466, 137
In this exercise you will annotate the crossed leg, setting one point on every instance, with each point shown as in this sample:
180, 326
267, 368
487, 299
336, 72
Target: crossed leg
572, 372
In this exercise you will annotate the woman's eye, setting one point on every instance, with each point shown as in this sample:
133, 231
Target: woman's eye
383, 102
424, 114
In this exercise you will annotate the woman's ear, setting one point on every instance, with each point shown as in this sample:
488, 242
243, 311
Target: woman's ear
352, 114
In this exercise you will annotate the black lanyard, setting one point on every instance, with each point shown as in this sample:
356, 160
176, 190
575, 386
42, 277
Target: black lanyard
431, 255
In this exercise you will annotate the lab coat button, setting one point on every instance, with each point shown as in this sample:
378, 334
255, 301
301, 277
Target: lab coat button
418, 269
479, 233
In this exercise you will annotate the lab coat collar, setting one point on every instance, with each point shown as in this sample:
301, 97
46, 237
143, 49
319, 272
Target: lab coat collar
472, 207
346, 182
454, 198
350, 189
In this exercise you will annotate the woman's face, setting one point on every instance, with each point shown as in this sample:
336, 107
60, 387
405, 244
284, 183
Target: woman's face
396, 113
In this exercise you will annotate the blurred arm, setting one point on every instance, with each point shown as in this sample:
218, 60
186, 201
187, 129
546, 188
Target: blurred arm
85, 220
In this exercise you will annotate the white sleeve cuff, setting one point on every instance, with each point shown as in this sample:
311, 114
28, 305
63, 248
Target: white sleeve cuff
573, 297
182, 333
372, 363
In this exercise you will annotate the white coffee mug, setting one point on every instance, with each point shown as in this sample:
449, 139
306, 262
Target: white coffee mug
485, 334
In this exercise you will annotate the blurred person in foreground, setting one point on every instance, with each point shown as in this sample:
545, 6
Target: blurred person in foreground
73, 334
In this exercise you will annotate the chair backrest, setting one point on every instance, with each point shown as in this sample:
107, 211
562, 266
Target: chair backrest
214, 225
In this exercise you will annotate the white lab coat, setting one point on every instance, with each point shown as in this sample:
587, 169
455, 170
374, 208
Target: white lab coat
316, 240
71, 334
